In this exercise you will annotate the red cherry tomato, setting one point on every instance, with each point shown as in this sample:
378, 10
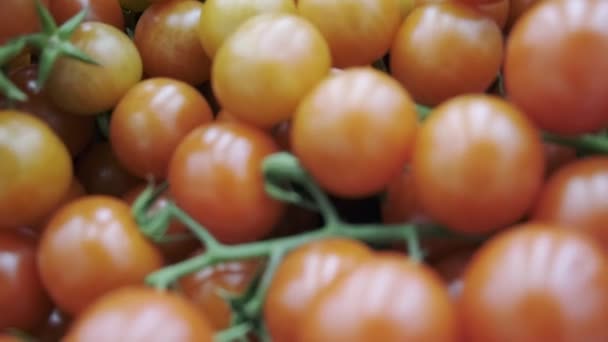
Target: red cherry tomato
25, 304
98, 242
387, 298
536, 283
105, 11
574, 197
216, 177
446, 49
222, 17
497, 10
35, 169
304, 273
172, 251
544, 73
80, 88
468, 164
267, 65
141, 315
358, 31
367, 122
204, 288
167, 38
151, 119
18, 17
75, 131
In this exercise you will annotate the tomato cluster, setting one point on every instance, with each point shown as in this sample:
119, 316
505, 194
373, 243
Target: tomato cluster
304, 170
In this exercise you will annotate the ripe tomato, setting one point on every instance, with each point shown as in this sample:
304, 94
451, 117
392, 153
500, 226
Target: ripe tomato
387, 298
18, 17
167, 38
97, 240
368, 123
446, 49
151, 119
517, 9
543, 72
401, 203
81, 88
204, 288
141, 314
536, 283
497, 10
25, 304
222, 17
75, 131
35, 171
216, 177
101, 173
267, 65
468, 164
105, 11
302, 274
574, 197
358, 31
172, 251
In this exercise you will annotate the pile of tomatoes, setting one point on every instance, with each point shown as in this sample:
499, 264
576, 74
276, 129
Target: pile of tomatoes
304, 170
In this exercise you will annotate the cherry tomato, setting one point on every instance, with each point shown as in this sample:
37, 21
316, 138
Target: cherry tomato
75, 131
100, 172
358, 31
222, 17
543, 72
172, 251
23, 299
141, 315
536, 283
35, 171
468, 164
367, 122
497, 10
517, 9
86, 89
574, 197
558, 156
204, 288
387, 298
167, 38
267, 65
151, 119
302, 274
406, 7
446, 49
105, 11
97, 241
216, 177
18, 17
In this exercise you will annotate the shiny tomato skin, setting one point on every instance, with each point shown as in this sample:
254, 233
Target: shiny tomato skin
302, 274
498, 10
543, 72
167, 38
18, 17
358, 31
446, 49
97, 240
468, 164
222, 17
25, 304
204, 288
139, 314
105, 11
86, 89
151, 119
365, 141
216, 177
101, 173
35, 171
536, 283
387, 298
76, 131
574, 197
267, 66
172, 251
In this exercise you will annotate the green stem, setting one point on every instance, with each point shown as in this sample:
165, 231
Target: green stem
233, 333
254, 306
423, 111
589, 142
198, 230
